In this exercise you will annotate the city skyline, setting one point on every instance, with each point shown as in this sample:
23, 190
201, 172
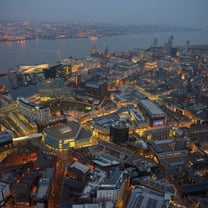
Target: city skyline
103, 103
175, 13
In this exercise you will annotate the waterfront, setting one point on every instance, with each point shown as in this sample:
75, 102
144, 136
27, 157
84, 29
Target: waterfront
45, 51
21, 91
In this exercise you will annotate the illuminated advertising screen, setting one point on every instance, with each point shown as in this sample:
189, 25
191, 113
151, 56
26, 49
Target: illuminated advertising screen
158, 123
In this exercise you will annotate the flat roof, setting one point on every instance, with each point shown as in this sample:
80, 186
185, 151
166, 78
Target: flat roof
92, 85
143, 197
92, 205
105, 162
114, 147
43, 189
151, 107
113, 179
169, 145
69, 182
80, 167
163, 129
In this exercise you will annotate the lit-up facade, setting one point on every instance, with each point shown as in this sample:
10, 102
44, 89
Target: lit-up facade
129, 116
33, 112
32, 68
64, 136
156, 116
151, 65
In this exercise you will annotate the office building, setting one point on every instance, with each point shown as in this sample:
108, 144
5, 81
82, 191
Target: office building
169, 45
112, 188
119, 132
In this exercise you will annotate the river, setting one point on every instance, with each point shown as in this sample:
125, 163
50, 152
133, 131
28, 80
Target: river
31, 52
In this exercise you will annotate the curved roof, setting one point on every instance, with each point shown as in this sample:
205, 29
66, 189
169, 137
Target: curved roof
28, 103
69, 130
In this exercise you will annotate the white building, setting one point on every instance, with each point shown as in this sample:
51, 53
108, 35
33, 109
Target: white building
112, 187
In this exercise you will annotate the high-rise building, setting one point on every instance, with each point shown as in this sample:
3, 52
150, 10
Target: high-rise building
155, 42
169, 45
187, 46
119, 133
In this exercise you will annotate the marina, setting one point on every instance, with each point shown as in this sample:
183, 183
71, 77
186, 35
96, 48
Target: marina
22, 80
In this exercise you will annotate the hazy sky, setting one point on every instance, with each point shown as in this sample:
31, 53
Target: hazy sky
189, 13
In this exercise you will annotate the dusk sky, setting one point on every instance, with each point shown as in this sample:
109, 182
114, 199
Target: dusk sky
188, 13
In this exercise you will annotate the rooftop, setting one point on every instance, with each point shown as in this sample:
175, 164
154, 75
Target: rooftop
68, 130
143, 197
105, 162
43, 191
84, 133
169, 145
5, 138
113, 178
81, 167
151, 107
26, 102
3, 185
114, 152
129, 116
